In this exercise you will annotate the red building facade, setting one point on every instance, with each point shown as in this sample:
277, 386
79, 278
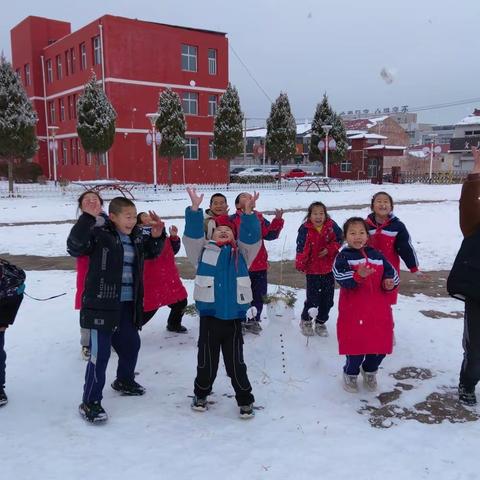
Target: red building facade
135, 60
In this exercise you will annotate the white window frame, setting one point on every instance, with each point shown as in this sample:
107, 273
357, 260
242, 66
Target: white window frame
189, 58
64, 152
83, 56
212, 105
211, 151
97, 50
72, 60
192, 146
190, 103
212, 61
58, 61
61, 103
51, 110
28, 79
346, 166
372, 168
49, 71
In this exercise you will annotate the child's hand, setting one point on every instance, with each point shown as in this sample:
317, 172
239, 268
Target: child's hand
157, 224
279, 213
323, 253
388, 284
196, 199
365, 271
422, 276
173, 231
250, 203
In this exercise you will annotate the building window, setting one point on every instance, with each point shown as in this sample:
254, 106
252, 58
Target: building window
68, 67
59, 67
212, 105
88, 159
71, 108
27, 74
190, 103
189, 58
61, 109
19, 74
211, 151
346, 165
97, 51
73, 150
49, 71
372, 168
191, 149
212, 61
51, 109
64, 152
79, 152
83, 56
72, 60
74, 106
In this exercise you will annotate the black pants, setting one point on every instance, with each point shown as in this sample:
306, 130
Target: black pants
369, 362
320, 290
216, 334
176, 313
259, 283
470, 371
8, 311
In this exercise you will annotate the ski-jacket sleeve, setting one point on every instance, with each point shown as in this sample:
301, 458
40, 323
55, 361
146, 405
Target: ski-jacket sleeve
249, 237
390, 272
303, 250
470, 205
152, 247
176, 243
194, 237
81, 239
343, 273
404, 247
334, 246
272, 229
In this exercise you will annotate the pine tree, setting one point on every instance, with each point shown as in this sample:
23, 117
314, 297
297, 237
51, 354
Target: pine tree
18, 139
171, 124
281, 132
96, 120
228, 128
324, 115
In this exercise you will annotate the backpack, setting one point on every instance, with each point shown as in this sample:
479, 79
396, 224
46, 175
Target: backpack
12, 279
464, 279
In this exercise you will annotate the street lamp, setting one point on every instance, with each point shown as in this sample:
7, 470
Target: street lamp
154, 138
432, 150
327, 145
53, 145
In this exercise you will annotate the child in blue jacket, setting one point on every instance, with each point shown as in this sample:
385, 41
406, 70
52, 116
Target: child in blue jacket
222, 295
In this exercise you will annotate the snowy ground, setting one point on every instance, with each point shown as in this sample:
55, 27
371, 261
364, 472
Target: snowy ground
308, 427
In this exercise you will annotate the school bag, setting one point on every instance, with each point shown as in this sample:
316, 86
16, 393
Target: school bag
464, 279
12, 280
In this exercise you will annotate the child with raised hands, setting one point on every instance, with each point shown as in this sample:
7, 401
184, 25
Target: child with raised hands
365, 322
222, 296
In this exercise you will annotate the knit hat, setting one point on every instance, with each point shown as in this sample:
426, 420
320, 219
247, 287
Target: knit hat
224, 221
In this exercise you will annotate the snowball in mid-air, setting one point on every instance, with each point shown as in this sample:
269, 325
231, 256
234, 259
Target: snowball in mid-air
387, 75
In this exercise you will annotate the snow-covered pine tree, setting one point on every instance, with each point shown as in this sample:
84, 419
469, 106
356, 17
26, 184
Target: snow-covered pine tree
324, 115
95, 120
281, 132
18, 139
228, 128
171, 124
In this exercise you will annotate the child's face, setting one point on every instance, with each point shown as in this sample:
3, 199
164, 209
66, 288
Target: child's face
318, 217
357, 236
382, 206
125, 220
218, 206
90, 201
222, 234
145, 219
242, 200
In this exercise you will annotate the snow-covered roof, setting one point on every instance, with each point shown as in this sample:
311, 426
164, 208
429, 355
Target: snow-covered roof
390, 147
355, 132
418, 153
367, 135
470, 120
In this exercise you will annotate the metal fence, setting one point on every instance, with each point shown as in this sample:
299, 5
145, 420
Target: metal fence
437, 178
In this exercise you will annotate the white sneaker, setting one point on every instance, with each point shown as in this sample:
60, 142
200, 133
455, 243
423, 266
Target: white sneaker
369, 380
306, 326
321, 329
350, 383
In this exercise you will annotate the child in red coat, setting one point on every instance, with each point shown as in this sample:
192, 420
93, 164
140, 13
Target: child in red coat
318, 241
365, 322
161, 281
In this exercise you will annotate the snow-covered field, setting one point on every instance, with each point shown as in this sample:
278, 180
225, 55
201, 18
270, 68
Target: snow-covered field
308, 427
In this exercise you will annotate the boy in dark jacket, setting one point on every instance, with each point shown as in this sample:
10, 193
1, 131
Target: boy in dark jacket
112, 301
222, 295
12, 287
470, 226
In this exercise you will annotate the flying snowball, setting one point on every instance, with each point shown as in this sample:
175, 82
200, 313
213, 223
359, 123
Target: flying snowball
387, 75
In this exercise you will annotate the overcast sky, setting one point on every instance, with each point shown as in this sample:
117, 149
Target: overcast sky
306, 47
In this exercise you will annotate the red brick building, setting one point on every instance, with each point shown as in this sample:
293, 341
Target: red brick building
134, 60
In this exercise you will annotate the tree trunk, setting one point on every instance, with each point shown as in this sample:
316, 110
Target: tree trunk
170, 174
10, 177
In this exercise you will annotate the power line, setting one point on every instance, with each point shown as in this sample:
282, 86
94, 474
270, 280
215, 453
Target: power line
445, 105
249, 73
